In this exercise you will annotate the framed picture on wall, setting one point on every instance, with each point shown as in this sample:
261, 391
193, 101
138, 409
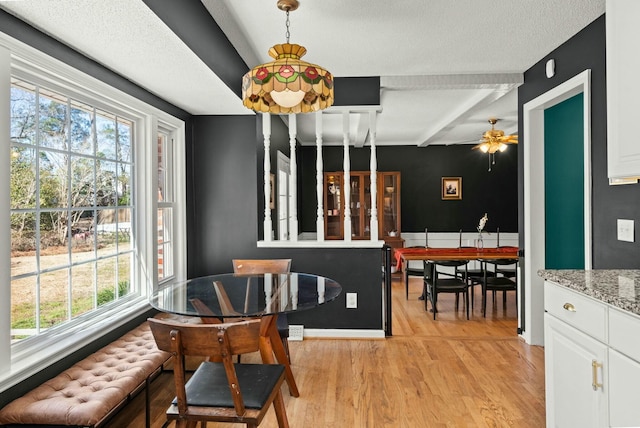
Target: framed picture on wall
451, 188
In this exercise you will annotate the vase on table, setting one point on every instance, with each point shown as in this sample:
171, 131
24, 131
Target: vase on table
479, 242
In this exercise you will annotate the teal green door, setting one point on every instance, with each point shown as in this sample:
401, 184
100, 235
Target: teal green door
564, 184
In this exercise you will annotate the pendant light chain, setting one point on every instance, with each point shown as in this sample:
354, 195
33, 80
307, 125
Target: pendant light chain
287, 34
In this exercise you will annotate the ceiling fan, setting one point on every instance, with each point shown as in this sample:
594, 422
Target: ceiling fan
494, 141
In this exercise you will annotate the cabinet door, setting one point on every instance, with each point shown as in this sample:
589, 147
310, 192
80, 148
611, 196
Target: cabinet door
360, 205
333, 203
623, 92
569, 377
624, 390
389, 204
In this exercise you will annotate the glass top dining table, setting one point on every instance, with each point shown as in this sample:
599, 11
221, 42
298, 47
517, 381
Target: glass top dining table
218, 298
245, 295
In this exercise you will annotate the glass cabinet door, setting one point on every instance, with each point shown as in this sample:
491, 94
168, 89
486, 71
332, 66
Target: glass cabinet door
360, 205
389, 193
333, 205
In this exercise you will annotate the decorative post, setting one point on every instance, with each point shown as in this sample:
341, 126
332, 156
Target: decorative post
374, 176
319, 179
266, 132
293, 180
347, 177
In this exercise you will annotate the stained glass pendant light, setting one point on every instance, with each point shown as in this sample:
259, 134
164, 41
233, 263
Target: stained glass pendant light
287, 84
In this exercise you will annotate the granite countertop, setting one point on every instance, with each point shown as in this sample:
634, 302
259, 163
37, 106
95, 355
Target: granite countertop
618, 287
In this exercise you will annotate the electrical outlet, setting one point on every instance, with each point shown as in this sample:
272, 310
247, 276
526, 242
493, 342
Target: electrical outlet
352, 300
296, 332
625, 230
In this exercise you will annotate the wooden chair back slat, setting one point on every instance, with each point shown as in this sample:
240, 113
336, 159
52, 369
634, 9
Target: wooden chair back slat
253, 266
202, 339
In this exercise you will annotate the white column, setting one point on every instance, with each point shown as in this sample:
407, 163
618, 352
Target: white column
346, 187
321, 290
374, 176
266, 132
293, 174
319, 179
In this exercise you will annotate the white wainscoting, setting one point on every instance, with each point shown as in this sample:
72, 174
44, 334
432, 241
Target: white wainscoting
455, 239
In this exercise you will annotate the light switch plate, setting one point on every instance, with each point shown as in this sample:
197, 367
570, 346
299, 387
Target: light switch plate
352, 300
625, 230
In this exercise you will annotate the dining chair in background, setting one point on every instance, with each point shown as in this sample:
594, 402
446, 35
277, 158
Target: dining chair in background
436, 282
262, 266
220, 391
414, 271
498, 282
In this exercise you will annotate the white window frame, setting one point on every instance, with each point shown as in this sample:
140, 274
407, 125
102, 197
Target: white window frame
35, 354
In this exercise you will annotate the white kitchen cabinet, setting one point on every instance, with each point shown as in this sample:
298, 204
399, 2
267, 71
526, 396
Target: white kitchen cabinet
569, 357
624, 390
592, 362
624, 369
623, 91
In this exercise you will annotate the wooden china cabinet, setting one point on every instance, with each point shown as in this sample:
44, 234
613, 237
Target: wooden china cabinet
387, 204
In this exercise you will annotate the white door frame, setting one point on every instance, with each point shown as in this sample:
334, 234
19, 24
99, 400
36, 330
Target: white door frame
534, 196
283, 189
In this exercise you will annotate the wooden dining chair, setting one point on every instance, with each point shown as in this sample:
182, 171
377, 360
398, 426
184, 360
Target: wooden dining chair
261, 266
220, 391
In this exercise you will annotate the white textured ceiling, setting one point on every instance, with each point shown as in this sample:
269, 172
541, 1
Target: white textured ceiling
445, 66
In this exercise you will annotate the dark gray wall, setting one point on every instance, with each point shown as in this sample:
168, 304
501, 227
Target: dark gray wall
586, 50
226, 214
422, 168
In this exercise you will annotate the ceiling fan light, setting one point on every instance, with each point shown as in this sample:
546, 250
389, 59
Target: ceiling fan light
502, 147
484, 147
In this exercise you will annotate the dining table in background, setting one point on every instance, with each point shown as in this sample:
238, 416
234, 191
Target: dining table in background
404, 255
220, 297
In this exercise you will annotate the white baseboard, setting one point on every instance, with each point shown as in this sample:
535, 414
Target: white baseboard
342, 333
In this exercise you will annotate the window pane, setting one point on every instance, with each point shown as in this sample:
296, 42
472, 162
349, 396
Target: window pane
107, 229
125, 282
165, 244
162, 168
106, 135
23, 178
124, 184
53, 239
54, 298
81, 132
53, 179
124, 140
124, 229
23, 114
105, 184
23, 301
53, 121
23, 238
82, 289
82, 236
82, 181
106, 281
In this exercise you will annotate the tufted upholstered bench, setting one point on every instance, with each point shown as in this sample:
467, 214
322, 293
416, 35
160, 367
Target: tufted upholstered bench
91, 391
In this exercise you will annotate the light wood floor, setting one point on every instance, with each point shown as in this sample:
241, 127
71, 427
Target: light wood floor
445, 373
